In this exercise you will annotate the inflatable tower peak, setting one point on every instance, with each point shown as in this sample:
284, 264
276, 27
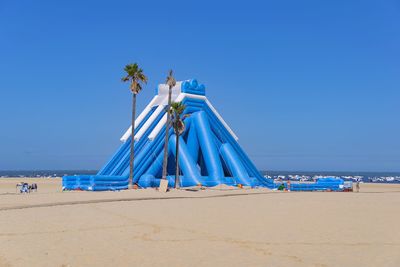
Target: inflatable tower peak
209, 153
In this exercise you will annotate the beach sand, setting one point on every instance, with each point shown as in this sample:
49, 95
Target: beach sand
205, 228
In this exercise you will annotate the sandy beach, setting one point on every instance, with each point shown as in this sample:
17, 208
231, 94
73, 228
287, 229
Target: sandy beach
198, 228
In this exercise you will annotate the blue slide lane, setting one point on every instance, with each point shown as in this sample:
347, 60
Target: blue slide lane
148, 156
208, 148
234, 164
221, 131
193, 142
122, 167
186, 163
124, 148
106, 170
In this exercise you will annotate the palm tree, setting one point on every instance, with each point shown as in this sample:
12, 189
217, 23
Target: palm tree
135, 75
171, 82
177, 108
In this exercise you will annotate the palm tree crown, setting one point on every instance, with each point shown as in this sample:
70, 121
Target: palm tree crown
136, 76
177, 108
171, 82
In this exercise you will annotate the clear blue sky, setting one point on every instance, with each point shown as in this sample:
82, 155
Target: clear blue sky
306, 85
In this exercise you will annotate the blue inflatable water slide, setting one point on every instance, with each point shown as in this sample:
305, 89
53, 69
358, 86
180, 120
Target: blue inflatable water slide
209, 153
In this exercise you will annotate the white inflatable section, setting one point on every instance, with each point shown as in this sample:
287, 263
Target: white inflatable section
182, 96
140, 118
161, 100
157, 101
150, 121
163, 90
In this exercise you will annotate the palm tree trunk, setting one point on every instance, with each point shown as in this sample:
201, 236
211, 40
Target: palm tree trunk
132, 140
165, 160
177, 182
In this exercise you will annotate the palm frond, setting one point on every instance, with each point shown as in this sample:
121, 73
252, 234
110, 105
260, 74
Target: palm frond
180, 127
142, 77
136, 87
177, 109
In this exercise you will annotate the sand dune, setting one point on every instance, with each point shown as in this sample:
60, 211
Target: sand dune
203, 228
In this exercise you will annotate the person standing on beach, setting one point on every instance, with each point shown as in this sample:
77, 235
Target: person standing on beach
358, 186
